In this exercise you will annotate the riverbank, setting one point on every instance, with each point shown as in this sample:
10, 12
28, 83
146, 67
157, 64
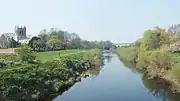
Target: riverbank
35, 81
132, 54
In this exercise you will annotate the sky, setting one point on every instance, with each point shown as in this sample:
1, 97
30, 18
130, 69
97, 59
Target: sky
116, 20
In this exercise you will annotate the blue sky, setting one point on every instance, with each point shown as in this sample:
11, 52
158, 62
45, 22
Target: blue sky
116, 20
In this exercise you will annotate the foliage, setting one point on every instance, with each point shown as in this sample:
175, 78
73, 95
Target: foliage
54, 41
75, 43
142, 61
9, 57
159, 62
8, 60
46, 78
7, 42
2, 64
129, 53
147, 52
5, 63
35, 42
25, 54
153, 39
4, 41
13, 43
44, 36
157, 54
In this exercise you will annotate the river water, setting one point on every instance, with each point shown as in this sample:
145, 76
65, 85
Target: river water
115, 81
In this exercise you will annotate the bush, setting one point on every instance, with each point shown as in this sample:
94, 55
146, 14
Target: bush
9, 57
25, 54
32, 81
6, 63
2, 63
133, 54
142, 61
160, 59
155, 62
128, 53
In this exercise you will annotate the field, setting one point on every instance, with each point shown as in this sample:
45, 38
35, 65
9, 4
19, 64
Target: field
48, 56
42, 56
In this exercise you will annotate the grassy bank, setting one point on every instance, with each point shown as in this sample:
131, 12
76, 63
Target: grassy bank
31, 82
48, 56
156, 64
157, 53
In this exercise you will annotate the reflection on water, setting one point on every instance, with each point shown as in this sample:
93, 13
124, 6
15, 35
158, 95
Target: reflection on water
94, 71
117, 81
158, 88
107, 58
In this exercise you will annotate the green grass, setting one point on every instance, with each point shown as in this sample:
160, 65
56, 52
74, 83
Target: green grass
49, 56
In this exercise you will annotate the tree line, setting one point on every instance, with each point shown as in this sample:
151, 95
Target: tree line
157, 52
56, 39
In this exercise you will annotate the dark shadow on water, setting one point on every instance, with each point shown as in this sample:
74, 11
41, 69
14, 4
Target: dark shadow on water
158, 88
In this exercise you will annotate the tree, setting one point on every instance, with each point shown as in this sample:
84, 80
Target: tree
138, 42
153, 39
4, 41
13, 43
44, 36
75, 43
33, 43
25, 54
54, 42
159, 62
64, 44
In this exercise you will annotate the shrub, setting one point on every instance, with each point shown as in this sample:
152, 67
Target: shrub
6, 63
2, 63
25, 54
128, 53
9, 57
161, 59
142, 61
133, 54
155, 62
46, 78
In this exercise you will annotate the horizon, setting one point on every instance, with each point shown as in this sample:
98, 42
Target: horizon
117, 21
76, 33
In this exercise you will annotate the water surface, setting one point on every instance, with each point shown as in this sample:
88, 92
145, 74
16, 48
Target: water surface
116, 81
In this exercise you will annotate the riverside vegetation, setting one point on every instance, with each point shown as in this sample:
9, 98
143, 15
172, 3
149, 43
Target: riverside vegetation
157, 54
38, 69
24, 77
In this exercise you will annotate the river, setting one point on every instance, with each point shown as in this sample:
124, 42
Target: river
115, 81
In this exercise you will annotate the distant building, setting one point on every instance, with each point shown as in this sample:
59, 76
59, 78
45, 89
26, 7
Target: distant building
20, 33
26, 40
